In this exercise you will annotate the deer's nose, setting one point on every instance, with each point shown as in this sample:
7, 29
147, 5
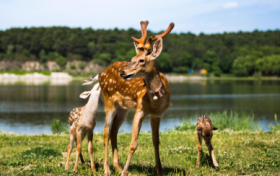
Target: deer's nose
122, 73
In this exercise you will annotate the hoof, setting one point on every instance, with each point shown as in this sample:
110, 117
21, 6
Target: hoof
118, 168
107, 171
124, 173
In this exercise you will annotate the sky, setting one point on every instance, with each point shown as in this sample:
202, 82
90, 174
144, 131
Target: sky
195, 16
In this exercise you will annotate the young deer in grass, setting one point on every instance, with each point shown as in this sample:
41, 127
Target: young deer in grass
204, 129
136, 85
82, 123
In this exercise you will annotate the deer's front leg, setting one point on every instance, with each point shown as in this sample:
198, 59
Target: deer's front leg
110, 114
199, 147
211, 153
155, 122
137, 123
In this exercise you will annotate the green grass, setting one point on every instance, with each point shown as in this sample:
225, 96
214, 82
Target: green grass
237, 153
21, 72
240, 145
224, 120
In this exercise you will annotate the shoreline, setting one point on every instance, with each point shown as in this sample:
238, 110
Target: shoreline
63, 78
55, 78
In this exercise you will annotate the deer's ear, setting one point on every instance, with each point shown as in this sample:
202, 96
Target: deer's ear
135, 46
199, 129
157, 48
214, 128
85, 94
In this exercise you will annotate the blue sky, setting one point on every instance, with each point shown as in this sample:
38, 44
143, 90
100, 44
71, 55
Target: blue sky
207, 16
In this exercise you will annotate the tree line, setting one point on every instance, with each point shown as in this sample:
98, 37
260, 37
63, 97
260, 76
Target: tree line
241, 53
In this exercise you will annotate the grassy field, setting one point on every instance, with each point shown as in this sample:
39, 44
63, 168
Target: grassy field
240, 145
237, 152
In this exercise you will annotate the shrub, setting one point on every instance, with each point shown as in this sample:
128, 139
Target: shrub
72, 65
81, 65
181, 69
58, 127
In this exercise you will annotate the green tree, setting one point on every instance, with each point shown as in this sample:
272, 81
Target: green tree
60, 60
164, 62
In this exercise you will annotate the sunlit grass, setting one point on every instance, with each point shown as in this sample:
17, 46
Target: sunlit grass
22, 72
237, 153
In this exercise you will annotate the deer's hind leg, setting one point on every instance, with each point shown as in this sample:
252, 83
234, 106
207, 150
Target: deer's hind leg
80, 134
118, 120
81, 156
70, 146
90, 150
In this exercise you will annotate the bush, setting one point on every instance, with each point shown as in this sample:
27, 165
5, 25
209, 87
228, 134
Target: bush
181, 69
60, 60
72, 65
81, 65
58, 127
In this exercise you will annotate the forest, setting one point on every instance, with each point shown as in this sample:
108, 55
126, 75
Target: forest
240, 53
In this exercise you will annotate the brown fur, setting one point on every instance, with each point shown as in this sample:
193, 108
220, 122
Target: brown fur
136, 85
204, 130
82, 123
122, 95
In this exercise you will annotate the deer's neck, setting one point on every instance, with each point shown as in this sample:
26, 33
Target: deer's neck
91, 107
153, 84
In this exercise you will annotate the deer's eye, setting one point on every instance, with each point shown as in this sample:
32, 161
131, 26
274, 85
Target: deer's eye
141, 60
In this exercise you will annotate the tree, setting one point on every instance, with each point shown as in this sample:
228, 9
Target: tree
164, 62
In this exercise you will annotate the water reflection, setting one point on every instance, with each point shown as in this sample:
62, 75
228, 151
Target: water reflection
29, 109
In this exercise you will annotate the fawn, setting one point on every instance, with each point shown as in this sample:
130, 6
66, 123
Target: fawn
82, 123
204, 129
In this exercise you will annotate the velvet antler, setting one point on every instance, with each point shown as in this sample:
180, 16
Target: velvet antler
155, 37
140, 42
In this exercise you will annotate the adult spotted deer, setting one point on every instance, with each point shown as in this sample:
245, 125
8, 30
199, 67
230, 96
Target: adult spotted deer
136, 85
204, 130
82, 123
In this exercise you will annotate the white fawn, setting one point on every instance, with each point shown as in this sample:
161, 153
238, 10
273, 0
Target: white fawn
82, 123
204, 129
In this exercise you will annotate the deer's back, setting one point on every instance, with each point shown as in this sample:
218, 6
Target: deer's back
203, 121
128, 93
75, 115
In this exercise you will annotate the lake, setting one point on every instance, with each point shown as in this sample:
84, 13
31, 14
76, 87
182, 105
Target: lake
29, 109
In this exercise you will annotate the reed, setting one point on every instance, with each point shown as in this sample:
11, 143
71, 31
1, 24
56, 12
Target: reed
223, 120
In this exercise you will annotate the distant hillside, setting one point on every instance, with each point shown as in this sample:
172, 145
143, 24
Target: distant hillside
242, 53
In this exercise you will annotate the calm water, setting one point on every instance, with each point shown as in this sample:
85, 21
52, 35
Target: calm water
29, 109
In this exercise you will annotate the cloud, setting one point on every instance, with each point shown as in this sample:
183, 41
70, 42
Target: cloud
230, 5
